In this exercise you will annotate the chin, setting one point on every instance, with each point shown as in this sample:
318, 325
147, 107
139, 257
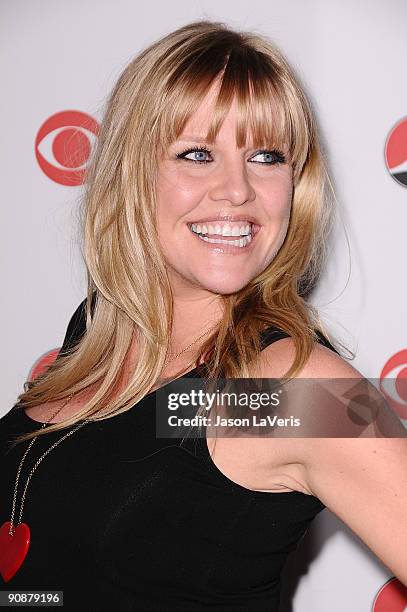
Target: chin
224, 286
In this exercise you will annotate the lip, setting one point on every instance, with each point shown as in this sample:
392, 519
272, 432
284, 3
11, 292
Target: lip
229, 217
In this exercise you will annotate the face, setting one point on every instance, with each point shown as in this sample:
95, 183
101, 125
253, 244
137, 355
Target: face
222, 213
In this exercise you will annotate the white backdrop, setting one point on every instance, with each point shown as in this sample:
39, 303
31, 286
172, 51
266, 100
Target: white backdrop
63, 56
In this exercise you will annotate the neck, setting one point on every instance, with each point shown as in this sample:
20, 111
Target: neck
192, 317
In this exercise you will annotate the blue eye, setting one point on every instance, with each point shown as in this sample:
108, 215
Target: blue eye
201, 150
272, 157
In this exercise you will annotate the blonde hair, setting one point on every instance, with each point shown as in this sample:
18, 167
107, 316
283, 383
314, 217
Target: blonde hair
151, 102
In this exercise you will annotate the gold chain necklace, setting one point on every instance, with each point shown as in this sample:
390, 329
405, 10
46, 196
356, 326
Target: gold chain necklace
192, 343
15, 541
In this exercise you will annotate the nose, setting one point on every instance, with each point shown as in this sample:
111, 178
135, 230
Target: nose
230, 182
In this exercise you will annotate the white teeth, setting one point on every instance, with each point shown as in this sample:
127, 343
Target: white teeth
222, 230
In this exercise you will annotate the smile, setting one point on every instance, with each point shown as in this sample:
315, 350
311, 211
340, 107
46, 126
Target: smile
225, 237
242, 242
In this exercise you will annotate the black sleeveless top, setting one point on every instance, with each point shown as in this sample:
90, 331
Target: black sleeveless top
123, 520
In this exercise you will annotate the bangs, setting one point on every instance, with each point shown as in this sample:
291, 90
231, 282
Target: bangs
269, 114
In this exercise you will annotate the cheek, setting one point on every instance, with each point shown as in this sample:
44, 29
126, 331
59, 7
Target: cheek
277, 207
176, 199
277, 203
281, 220
177, 196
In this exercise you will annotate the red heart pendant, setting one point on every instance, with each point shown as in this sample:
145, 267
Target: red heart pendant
13, 548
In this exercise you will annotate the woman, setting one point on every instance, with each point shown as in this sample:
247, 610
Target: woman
205, 216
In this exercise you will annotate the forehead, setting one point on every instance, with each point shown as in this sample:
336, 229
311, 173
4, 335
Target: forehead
211, 121
198, 124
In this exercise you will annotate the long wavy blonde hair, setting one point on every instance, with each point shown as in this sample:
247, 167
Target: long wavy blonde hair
126, 274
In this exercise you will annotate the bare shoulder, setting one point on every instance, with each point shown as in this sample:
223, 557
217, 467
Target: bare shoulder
277, 358
278, 461
299, 448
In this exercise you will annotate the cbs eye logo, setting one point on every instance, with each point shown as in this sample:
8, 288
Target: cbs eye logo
392, 597
64, 144
395, 152
393, 383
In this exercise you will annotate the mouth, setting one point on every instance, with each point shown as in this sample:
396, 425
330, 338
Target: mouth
229, 237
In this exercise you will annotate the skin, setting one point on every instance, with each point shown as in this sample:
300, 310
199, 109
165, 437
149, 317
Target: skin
235, 181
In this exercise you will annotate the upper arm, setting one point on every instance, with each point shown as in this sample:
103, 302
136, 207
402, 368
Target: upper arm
362, 480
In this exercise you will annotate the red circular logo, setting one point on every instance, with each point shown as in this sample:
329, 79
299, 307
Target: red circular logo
63, 146
393, 383
392, 597
395, 152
